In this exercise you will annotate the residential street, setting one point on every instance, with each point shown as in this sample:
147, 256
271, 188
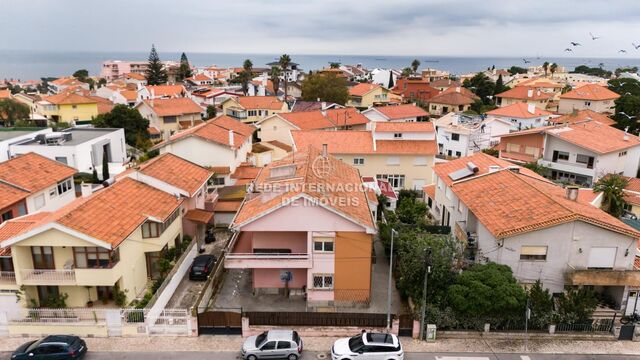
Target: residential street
192, 355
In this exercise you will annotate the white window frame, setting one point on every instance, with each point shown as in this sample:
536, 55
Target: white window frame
324, 242
534, 252
358, 161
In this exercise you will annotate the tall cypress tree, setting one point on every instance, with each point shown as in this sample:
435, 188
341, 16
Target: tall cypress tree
185, 69
390, 80
155, 73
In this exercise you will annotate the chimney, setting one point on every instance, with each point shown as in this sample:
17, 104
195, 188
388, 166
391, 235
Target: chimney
626, 134
86, 189
231, 137
531, 108
166, 135
457, 89
323, 105
325, 152
493, 168
571, 193
530, 93
514, 169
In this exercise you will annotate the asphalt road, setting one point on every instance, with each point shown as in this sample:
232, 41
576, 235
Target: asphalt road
314, 356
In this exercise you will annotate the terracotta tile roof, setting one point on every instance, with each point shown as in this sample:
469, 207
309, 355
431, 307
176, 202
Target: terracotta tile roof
590, 92
360, 142
173, 106
631, 198
519, 110
69, 98
306, 182
33, 172
10, 195
595, 136
5, 94
346, 116
541, 83
401, 111
362, 88
129, 95
259, 148
445, 83
372, 197
67, 81
482, 161
199, 77
430, 190
112, 214
187, 124
216, 130
260, 102
177, 171
104, 105
167, 90
633, 184
452, 98
508, 204
17, 226
522, 93
221, 170
227, 206
308, 120
404, 127
583, 115
135, 76
153, 130
281, 145
199, 216
246, 172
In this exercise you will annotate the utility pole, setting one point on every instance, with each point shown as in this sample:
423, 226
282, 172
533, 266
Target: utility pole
427, 267
527, 316
389, 284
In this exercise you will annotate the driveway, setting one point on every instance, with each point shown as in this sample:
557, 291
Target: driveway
187, 292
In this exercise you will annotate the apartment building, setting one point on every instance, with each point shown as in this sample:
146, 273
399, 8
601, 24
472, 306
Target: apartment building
521, 116
588, 97
462, 135
116, 69
328, 260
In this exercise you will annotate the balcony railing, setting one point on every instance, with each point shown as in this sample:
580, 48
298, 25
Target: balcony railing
7, 277
48, 277
267, 260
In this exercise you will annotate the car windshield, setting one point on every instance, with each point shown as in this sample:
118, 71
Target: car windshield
260, 339
33, 346
355, 343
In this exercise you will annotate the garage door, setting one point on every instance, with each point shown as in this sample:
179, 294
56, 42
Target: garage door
9, 304
602, 257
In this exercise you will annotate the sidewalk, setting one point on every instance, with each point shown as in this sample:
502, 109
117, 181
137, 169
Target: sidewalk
222, 343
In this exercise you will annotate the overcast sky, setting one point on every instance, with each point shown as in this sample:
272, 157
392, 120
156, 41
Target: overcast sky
371, 27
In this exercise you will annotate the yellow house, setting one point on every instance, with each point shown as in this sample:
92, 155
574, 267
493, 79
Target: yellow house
251, 109
170, 115
365, 95
92, 247
68, 107
524, 94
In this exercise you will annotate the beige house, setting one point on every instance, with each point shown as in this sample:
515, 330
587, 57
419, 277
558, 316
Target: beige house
170, 115
251, 109
401, 153
278, 126
588, 97
263, 153
524, 94
88, 251
365, 95
453, 99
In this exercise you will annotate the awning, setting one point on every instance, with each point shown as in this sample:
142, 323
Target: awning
199, 216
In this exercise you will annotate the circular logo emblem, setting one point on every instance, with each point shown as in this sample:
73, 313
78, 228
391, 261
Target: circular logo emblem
321, 167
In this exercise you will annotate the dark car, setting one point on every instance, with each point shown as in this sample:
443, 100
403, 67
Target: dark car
52, 347
201, 267
209, 236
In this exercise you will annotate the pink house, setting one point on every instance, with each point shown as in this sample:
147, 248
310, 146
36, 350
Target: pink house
306, 229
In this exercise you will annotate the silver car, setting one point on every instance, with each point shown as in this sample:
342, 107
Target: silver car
273, 344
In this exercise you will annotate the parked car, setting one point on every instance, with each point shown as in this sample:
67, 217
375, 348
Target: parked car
201, 267
52, 347
209, 236
273, 344
368, 346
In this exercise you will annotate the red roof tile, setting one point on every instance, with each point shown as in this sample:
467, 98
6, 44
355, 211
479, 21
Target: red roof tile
177, 172
33, 172
590, 92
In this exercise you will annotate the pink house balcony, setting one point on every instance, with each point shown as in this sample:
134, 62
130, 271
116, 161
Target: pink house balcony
268, 250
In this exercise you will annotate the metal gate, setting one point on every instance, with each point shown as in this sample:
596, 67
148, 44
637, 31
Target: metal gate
406, 325
113, 318
220, 322
170, 322
626, 332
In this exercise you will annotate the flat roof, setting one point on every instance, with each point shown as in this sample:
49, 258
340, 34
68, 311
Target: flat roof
79, 136
10, 133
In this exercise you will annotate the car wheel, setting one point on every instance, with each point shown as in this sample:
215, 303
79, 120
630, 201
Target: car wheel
252, 357
292, 357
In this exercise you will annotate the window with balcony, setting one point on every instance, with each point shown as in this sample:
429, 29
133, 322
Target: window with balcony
585, 160
533, 253
395, 180
6, 264
323, 281
323, 245
560, 155
95, 257
151, 229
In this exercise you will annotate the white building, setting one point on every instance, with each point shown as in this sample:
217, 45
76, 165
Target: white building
9, 136
381, 76
80, 147
462, 135
521, 116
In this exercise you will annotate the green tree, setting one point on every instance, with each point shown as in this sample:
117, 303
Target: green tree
500, 86
626, 69
411, 210
612, 186
553, 68
274, 75
334, 65
406, 72
415, 64
545, 67
595, 71
481, 85
102, 82
12, 111
576, 306
81, 74
541, 305
211, 111
517, 70
285, 62
537, 168
184, 71
489, 292
326, 87
122, 116
156, 74
391, 83
105, 166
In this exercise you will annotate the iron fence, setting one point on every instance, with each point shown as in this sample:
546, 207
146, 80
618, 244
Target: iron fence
596, 326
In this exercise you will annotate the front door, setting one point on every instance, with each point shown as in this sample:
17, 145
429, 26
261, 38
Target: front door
42, 257
632, 303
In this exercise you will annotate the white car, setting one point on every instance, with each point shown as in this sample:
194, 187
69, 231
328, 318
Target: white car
374, 346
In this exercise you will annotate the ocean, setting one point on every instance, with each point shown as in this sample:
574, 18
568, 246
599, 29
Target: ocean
26, 65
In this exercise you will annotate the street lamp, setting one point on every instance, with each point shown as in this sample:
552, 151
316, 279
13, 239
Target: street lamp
427, 270
389, 283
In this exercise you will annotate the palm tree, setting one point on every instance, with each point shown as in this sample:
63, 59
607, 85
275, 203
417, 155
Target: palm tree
334, 65
415, 64
611, 187
247, 65
285, 62
553, 68
545, 67
246, 75
274, 75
